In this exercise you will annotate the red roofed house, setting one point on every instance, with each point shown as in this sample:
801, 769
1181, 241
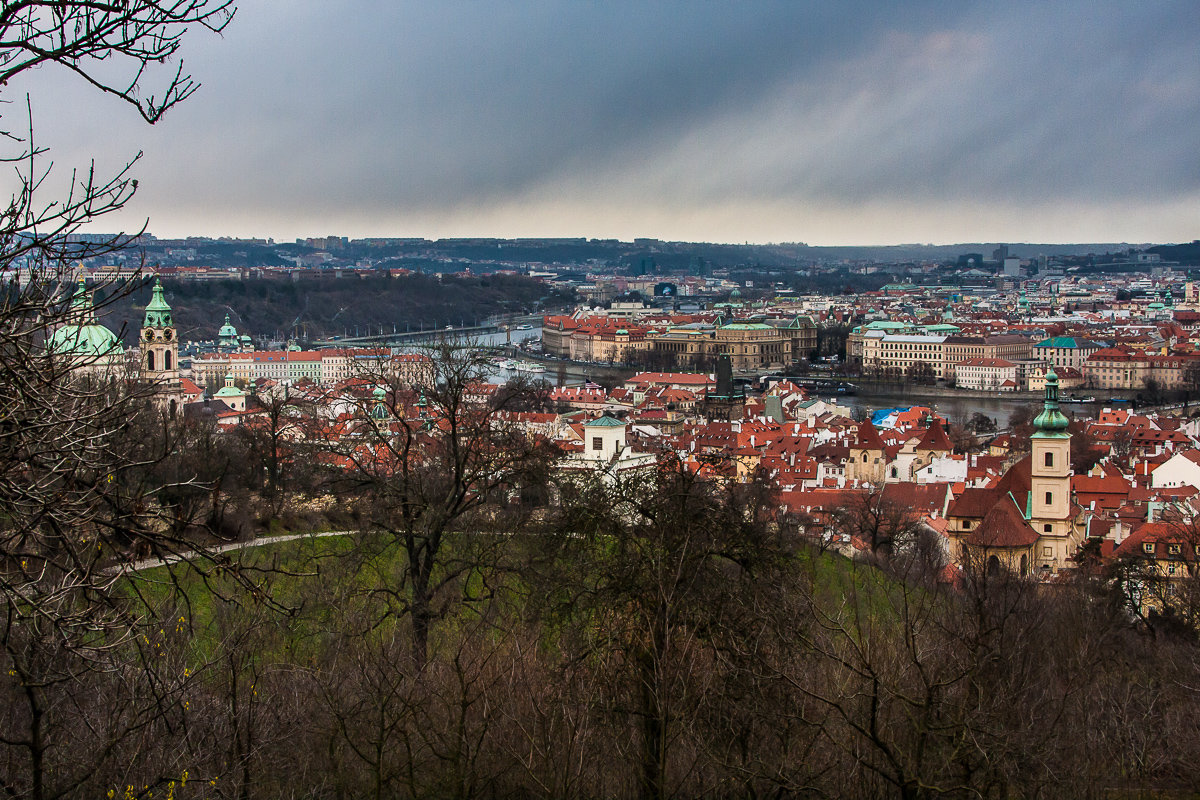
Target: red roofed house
868, 458
992, 374
1181, 469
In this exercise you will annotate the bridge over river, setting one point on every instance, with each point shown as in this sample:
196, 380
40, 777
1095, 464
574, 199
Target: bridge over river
489, 333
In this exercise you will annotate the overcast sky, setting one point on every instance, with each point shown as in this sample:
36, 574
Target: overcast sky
828, 123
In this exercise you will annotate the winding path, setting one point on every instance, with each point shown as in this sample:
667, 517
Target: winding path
152, 563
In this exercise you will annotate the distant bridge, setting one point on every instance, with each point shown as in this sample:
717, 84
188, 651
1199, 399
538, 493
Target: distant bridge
451, 333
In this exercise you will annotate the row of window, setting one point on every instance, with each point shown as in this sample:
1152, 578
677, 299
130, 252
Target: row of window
1172, 549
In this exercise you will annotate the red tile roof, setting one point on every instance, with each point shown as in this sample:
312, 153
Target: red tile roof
1004, 526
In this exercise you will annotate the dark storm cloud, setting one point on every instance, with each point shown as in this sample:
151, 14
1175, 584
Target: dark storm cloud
573, 112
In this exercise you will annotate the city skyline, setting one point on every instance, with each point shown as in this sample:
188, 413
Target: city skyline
857, 125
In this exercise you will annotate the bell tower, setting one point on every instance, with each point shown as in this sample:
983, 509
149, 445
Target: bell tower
1050, 482
160, 352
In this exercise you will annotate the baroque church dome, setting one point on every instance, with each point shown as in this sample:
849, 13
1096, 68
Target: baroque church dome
83, 337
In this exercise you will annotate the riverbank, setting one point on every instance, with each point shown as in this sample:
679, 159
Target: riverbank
867, 386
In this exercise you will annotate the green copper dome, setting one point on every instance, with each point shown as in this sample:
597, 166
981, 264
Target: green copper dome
1051, 421
227, 330
229, 389
83, 336
158, 313
84, 340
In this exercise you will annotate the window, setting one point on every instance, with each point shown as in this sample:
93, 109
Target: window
1049, 459
1049, 498
1173, 549
966, 524
1148, 548
597, 443
1047, 552
1047, 528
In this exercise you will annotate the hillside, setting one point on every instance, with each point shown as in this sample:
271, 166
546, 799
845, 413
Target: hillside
317, 308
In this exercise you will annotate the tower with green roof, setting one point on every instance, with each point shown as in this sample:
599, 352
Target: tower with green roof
160, 351
227, 336
1049, 508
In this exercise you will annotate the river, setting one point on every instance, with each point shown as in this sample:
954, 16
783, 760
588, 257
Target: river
960, 407
949, 404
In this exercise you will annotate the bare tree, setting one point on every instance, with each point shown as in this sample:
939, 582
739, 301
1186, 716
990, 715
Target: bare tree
884, 526
73, 494
666, 589
440, 458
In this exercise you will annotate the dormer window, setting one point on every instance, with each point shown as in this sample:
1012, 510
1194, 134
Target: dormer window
1148, 548
1173, 549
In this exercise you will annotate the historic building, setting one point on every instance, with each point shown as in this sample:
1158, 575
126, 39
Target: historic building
159, 348
82, 342
988, 374
896, 355
1008, 347
1051, 513
1065, 351
229, 341
750, 345
1026, 520
1126, 368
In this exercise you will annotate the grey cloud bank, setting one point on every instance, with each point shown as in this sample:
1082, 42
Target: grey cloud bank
764, 122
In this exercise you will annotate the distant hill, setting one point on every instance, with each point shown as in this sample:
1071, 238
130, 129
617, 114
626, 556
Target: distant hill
325, 307
946, 252
1181, 253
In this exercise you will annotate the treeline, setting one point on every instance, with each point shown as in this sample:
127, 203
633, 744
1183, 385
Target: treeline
321, 308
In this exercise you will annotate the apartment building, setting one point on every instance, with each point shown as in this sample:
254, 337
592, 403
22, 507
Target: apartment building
1065, 351
896, 354
326, 367
1008, 347
987, 374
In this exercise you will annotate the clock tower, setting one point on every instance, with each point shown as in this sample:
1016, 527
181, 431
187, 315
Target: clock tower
1050, 513
160, 353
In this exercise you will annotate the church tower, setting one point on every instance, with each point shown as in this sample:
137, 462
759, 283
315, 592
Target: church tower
1050, 512
160, 352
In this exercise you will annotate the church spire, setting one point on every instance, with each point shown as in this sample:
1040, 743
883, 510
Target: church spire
1051, 420
158, 313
